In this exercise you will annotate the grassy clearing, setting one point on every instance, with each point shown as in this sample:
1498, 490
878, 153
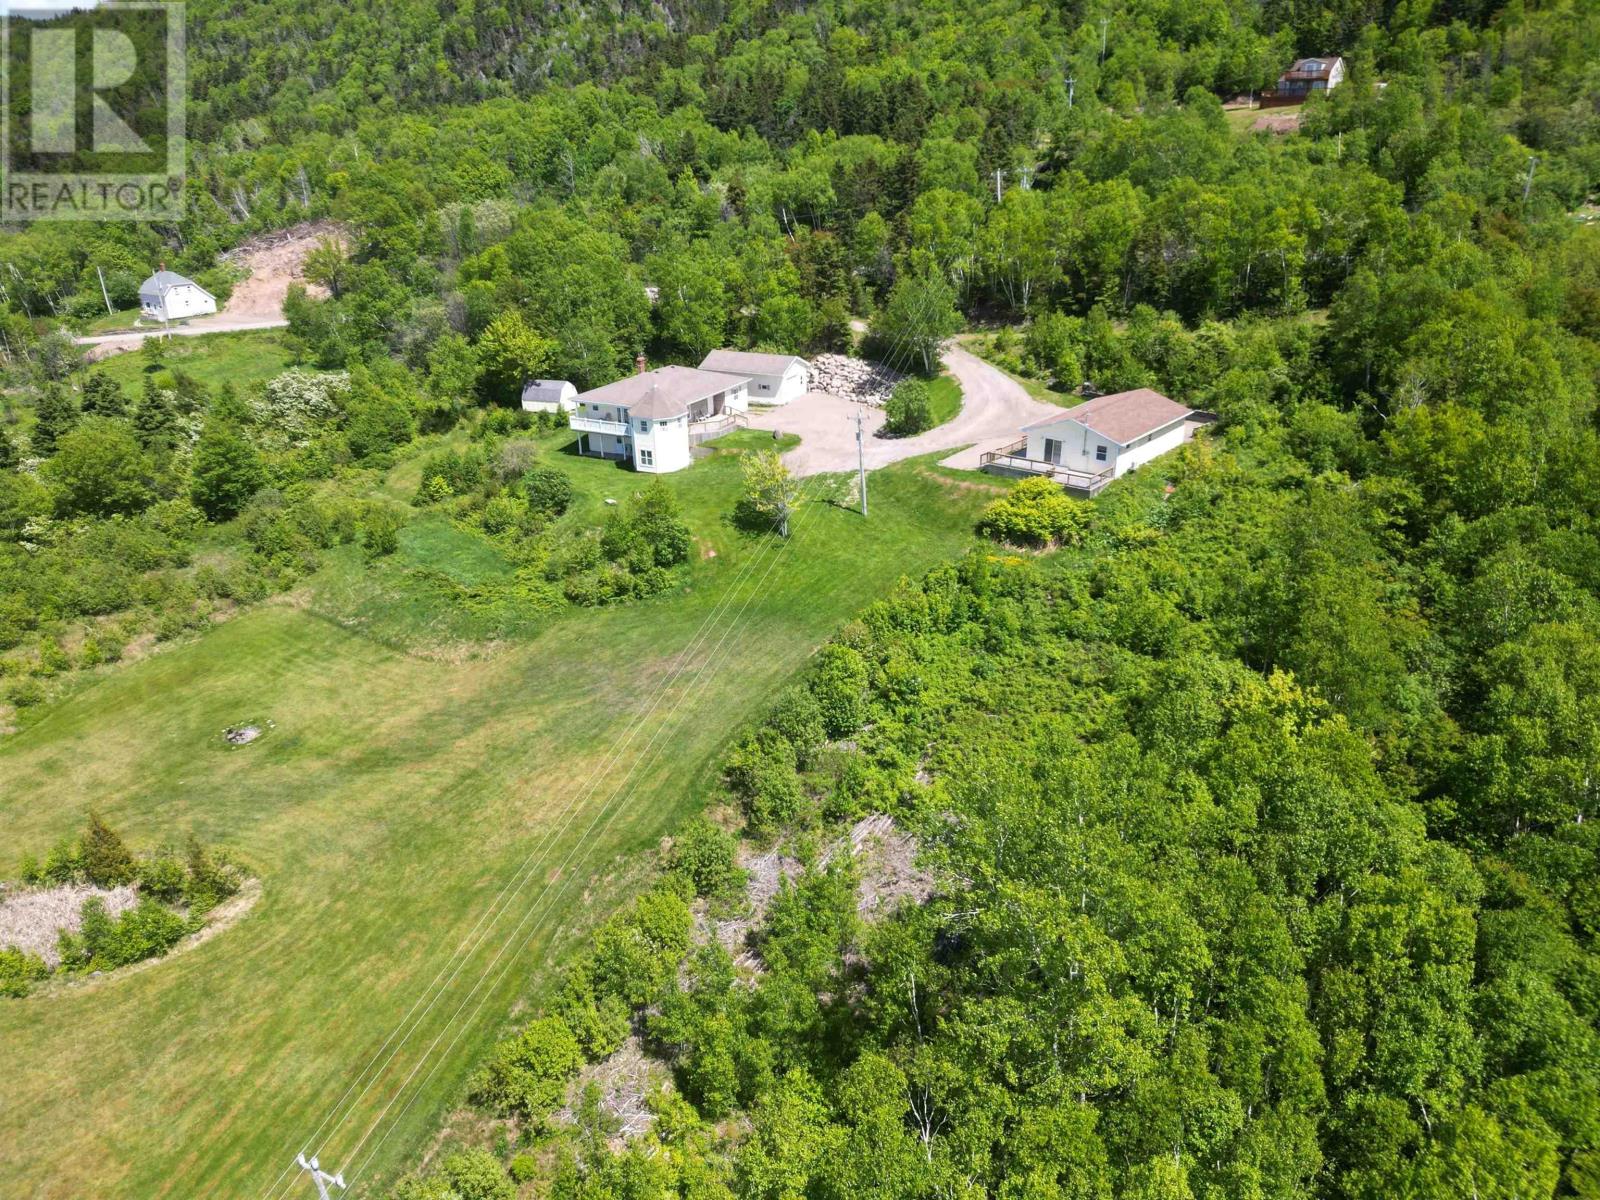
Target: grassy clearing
241, 359
944, 398
395, 795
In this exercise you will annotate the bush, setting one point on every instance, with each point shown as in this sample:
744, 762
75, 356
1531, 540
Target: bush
548, 490
909, 409
761, 772
798, 717
380, 530
1036, 512
703, 853
840, 686
145, 931
19, 971
528, 1075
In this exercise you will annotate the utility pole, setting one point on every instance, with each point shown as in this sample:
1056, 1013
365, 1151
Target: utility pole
104, 295
1527, 184
861, 461
997, 174
320, 1177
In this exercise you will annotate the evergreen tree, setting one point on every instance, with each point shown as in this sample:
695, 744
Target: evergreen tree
226, 472
103, 396
155, 420
55, 414
106, 860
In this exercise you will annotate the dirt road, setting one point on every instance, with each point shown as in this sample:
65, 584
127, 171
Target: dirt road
994, 407
274, 261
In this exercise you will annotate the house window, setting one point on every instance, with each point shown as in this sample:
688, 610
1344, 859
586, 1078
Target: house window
1099, 454
646, 458
644, 426
1052, 451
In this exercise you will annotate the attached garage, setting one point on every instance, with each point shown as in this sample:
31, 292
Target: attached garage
774, 378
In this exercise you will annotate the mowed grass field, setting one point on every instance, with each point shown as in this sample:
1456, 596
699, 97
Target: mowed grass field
395, 795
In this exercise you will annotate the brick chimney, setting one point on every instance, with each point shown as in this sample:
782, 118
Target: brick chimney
639, 363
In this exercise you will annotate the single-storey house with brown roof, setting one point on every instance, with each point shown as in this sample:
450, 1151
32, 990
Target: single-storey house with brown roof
1088, 446
652, 418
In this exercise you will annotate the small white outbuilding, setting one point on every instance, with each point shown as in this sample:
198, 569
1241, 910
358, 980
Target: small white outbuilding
168, 296
549, 395
774, 378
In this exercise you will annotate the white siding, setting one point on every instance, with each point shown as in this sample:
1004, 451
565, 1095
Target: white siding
185, 300
661, 446
779, 389
1080, 447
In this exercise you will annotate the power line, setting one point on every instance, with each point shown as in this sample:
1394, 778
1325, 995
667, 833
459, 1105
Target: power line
902, 343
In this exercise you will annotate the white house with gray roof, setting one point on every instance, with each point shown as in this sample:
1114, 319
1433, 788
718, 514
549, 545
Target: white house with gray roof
774, 378
168, 296
652, 418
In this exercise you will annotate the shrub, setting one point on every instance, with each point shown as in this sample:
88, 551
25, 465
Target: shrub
209, 881
909, 409
703, 853
162, 879
528, 1074
144, 931
19, 971
798, 717
452, 473
380, 530
1036, 512
503, 513
548, 490
761, 772
840, 685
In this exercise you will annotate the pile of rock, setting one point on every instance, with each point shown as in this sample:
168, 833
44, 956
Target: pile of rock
853, 378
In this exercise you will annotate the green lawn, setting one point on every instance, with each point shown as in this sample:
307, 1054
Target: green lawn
396, 794
214, 358
944, 398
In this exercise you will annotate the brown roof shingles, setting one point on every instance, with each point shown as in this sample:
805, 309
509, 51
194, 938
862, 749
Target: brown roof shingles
1122, 416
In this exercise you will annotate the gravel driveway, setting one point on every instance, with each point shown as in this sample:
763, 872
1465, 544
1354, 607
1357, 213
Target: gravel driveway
994, 407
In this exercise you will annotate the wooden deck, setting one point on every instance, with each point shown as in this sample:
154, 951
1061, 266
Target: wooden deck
1008, 460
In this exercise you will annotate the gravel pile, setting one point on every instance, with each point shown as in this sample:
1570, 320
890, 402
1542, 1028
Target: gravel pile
853, 378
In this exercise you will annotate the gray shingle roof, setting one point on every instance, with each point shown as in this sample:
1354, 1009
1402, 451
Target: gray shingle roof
165, 281
664, 392
749, 362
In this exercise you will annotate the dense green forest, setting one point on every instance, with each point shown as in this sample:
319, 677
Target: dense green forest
1259, 821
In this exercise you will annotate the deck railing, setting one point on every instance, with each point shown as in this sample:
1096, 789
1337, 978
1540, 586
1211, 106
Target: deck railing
1008, 458
583, 424
714, 427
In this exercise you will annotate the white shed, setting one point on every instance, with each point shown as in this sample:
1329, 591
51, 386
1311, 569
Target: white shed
774, 378
1109, 435
168, 296
549, 395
